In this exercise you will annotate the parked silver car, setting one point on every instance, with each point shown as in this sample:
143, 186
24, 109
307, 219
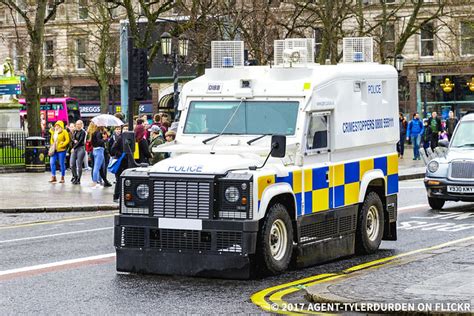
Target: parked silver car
451, 178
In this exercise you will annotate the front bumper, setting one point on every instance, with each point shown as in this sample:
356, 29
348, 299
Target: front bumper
438, 188
220, 249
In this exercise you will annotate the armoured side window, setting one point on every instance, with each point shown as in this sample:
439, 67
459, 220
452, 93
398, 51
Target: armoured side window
317, 137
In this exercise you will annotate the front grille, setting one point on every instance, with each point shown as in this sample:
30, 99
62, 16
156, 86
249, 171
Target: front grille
176, 239
182, 198
132, 237
229, 241
462, 170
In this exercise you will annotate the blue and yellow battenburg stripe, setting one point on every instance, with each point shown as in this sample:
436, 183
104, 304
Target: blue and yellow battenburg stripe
333, 186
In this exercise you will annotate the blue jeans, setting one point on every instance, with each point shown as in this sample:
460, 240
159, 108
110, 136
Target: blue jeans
415, 140
98, 153
61, 156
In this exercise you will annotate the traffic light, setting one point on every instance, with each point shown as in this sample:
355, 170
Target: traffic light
138, 73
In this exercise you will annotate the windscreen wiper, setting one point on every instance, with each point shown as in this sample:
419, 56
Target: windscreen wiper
210, 138
257, 138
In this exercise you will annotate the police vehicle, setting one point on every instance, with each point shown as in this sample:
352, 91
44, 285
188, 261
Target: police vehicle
289, 164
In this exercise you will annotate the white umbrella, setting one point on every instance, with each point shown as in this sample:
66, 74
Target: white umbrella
107, 120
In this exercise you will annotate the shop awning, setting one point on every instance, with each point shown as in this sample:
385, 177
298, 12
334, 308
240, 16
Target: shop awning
166, 102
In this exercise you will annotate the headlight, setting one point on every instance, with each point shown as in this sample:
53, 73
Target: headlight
143, 191
232, 194
433, 166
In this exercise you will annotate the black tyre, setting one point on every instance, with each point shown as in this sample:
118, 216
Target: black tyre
370, 225
275, 242
436, 204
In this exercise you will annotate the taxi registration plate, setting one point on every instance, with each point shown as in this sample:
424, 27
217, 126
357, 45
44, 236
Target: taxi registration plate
459, 189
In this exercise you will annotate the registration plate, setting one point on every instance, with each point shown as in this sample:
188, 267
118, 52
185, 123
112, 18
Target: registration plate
459, 189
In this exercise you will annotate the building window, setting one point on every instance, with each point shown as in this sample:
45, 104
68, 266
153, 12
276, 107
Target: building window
147, 5
389, 40
83, 10
318, 42
18, 57
467, 38
427, 40
49, 9
23, 6
3, 16
48, 54
80, 53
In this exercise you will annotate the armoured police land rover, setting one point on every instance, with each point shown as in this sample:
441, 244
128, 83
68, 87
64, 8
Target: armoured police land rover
291, 163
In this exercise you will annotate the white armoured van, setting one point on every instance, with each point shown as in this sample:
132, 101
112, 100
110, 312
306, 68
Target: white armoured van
290, 163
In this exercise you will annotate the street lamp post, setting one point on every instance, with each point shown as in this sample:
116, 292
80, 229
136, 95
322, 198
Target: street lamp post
174, 55
424, 78
397, 62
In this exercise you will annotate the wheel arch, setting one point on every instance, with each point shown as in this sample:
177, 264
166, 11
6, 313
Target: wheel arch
279, 193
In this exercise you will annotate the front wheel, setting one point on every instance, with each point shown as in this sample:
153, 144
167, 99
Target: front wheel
370, 225
275, 241
436, 204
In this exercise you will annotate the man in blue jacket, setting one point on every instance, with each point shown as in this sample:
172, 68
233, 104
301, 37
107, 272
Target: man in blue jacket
414, 131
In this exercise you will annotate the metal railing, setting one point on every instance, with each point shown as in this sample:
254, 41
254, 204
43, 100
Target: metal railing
12, 148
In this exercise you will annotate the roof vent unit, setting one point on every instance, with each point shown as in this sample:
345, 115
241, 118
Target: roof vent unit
227, 54
358, 50
294, 51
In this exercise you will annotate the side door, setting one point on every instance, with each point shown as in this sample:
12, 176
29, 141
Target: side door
317, 175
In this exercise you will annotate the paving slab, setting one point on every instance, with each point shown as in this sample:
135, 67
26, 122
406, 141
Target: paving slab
440, 281
31, 192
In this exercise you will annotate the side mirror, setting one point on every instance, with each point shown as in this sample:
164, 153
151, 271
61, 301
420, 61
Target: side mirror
278, 146
444, 143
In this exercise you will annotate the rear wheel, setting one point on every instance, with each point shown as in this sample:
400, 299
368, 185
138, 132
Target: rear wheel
275, 241
436, 204
370, 224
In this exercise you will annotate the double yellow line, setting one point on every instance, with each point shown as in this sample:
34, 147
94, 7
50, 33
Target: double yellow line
272, 299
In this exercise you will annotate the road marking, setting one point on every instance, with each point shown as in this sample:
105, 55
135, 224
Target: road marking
57, 221
412, 207
55, 235
53, 266
264, 298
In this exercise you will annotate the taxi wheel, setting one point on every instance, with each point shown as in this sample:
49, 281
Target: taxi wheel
275, 245
370, 225
436, 204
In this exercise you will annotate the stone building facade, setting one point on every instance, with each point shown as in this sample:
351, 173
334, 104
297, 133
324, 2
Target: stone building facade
444, 46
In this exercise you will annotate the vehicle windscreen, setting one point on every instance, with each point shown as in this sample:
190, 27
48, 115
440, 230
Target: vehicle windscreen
242, 117
464, 136
73, 111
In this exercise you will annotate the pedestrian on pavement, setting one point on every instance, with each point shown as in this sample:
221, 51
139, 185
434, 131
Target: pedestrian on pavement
143, 152
103, 170
156, 140
434, 124
78, 152
414, 132
426, 137
451, 123
59, 140
98, 148
116, 151
403, 135
70, 129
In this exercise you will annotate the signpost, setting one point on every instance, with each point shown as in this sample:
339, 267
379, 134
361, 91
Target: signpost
10, 85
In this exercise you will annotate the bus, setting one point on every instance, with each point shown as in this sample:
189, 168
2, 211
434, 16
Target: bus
55, 109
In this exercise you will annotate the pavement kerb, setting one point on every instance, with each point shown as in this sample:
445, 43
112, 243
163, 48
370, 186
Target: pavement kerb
411, 176
53, 209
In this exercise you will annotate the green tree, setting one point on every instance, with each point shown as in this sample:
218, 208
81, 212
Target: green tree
35, 19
